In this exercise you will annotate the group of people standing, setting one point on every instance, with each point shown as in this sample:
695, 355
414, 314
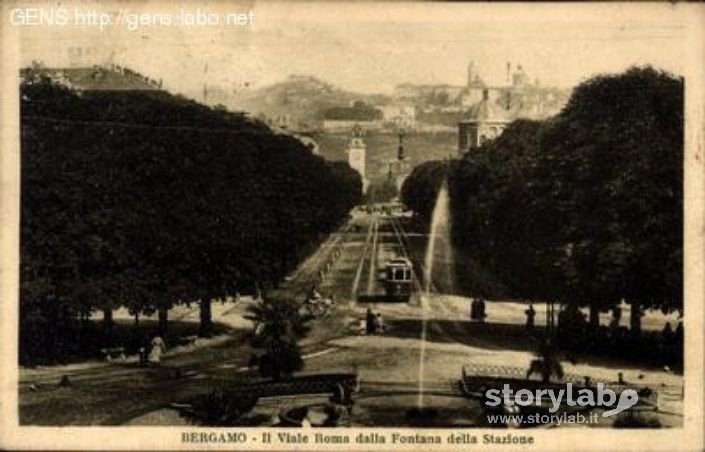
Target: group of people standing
477, 310
374, 323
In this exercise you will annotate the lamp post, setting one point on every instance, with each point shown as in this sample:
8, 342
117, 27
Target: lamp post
400, 151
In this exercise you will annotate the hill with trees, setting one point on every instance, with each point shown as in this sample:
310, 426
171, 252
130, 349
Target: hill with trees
303, 98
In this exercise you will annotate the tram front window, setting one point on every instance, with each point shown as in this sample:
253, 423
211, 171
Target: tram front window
399, 274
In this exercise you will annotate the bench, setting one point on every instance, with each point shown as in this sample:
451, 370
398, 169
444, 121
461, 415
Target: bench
113, 352
341, 387
475, 380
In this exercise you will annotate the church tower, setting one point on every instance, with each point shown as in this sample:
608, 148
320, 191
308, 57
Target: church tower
357, 153
399, 167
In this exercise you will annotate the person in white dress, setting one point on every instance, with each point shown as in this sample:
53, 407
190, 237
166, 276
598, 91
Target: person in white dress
158, 347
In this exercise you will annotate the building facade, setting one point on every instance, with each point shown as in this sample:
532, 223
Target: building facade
485, 121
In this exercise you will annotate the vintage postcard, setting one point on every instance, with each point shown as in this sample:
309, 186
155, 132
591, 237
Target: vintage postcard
249, 225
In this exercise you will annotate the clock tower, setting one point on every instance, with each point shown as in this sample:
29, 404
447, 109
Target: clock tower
357, 153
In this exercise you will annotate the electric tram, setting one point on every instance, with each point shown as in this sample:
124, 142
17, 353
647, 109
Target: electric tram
398, 279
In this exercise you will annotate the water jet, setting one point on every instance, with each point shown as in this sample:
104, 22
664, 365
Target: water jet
437, 249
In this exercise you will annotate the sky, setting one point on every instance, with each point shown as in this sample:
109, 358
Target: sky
371, 47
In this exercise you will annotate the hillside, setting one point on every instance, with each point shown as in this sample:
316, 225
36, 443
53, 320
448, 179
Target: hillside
94, 78
302, 98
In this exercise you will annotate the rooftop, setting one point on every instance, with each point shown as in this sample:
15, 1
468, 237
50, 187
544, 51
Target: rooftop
487, 111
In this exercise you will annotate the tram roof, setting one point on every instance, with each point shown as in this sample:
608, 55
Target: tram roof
399, 261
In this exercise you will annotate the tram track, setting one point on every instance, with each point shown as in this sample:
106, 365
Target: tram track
358, 273
373, 260
421, 286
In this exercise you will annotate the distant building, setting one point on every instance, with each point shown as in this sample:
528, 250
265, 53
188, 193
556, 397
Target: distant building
517, 96
339, 125
357, 154
431, 94
399, 116
486, 120
282, 121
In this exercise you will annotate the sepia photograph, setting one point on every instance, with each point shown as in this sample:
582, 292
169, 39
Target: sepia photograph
352, 225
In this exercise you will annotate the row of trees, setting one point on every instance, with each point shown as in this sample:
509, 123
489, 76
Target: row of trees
359, 111
145, 200
586, 207
381, 190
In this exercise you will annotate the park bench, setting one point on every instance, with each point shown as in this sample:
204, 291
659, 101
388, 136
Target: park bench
477, 379
341, 387
186, 341
111, 353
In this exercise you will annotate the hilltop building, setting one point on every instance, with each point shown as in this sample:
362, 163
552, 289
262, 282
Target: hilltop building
486, 120
488, 115
480, 109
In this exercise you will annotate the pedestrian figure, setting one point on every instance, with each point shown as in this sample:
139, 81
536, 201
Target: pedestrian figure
616, 317
362, 327
370, 317
473, 309
481, 310
158, 347
530, 315
380, 323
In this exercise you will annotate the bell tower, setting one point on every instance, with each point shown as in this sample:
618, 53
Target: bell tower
471, 73
357, 154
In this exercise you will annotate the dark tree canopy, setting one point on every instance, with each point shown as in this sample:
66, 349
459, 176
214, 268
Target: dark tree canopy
420, 188
586, 207
144, 200
359, 111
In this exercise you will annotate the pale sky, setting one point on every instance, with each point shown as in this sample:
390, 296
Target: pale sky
368, 47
